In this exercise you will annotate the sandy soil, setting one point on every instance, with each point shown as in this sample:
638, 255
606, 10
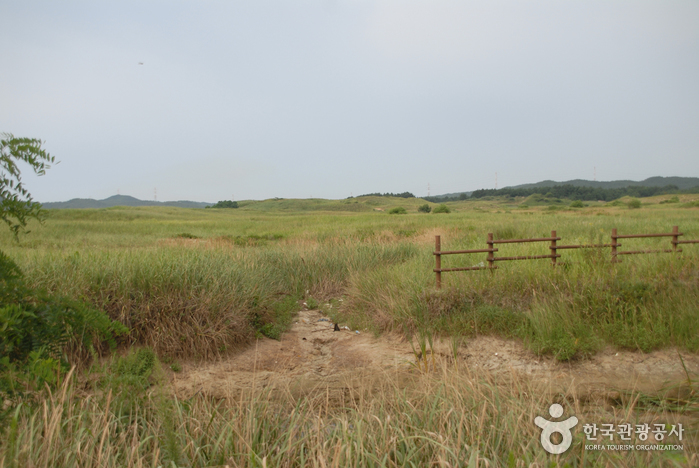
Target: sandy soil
311, 356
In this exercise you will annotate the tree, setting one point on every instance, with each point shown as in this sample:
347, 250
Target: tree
225, 204
39, 331
16, 203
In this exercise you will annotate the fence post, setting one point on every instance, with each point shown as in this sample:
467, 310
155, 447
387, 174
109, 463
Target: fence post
491, 257
553, 248
438, 260
675, 237
614, 244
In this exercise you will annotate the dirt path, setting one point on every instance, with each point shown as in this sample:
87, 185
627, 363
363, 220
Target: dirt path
312, 356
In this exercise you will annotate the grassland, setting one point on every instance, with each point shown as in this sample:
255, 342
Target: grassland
200, 283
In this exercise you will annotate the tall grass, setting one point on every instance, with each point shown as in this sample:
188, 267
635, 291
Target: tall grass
570, 311
449, 417
200, 282
203, 301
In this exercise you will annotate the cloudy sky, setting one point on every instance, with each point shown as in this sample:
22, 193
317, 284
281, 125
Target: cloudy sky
253, 99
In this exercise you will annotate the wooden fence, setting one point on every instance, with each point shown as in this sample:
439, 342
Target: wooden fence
554, 247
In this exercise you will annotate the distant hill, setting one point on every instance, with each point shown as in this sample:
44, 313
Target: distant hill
681, 182
119, 200
453, 195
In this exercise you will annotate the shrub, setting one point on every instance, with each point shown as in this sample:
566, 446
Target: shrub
424, 208
634, 203
225, 204
442, 209
135, 368
674, 199
398, 210
39, 331
577, 204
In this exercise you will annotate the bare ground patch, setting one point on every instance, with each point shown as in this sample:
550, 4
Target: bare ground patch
312, 358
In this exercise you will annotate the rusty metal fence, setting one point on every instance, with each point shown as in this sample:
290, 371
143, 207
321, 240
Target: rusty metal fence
554, 247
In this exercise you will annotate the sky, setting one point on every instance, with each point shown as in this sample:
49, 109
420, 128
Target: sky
254, 99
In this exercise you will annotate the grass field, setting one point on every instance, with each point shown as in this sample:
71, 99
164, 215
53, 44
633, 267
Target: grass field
202, 283
193, 282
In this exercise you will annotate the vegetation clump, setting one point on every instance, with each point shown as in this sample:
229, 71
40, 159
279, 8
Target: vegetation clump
224, 204
398, 210
38, 328
424, 208
388, 194
186, 235
441, 209
133, 371
634, 203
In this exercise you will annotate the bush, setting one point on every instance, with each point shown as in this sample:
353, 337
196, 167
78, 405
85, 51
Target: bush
577, 204
442, 209
674, 199
225, 204
40, 332
424, 208
135, 368
398, 210
634, 203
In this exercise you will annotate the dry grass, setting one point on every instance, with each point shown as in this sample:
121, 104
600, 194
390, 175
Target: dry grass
448, 417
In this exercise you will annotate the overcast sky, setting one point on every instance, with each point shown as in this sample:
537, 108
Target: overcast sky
331, 98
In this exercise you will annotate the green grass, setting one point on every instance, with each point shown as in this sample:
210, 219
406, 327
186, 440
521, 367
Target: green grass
197, 283
236, 274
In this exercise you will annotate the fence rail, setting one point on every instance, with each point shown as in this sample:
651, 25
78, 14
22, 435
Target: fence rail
553, 247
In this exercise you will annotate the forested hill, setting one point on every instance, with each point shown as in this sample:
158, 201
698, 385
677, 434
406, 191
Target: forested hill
580, 189
572, 192
681, 183
119, 200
